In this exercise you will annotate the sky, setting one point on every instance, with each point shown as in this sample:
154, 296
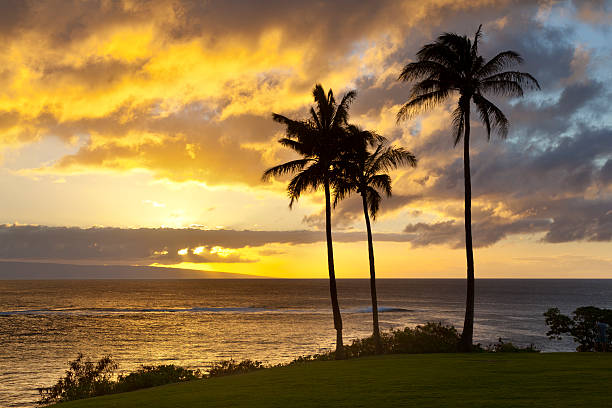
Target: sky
135, 132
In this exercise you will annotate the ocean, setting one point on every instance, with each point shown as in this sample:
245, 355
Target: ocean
192, 323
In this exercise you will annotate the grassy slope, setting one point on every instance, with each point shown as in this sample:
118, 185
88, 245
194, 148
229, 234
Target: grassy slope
434, 380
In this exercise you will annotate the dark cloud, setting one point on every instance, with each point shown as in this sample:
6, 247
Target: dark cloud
95, 73
578, 219
485, 233
606, 173
545, 189
146, 245
350, 211
12, 13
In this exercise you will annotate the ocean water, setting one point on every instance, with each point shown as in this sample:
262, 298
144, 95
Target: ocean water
192, 323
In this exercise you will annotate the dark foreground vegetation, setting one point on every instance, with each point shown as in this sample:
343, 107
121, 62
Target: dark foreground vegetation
85, 379
589, 326
410, 380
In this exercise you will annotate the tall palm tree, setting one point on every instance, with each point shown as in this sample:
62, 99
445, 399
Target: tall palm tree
318, 140
452, 65
364, 172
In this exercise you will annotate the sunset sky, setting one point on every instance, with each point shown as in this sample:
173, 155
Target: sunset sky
136, 132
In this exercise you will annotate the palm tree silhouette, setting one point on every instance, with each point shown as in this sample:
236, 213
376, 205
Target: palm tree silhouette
318, 140
364, 172
452, 65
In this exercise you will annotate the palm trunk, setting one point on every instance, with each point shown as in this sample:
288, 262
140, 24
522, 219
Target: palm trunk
340, 355
376, 328
468, 324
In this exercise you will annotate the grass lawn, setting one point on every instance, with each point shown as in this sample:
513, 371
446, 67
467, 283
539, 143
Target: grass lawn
410, 380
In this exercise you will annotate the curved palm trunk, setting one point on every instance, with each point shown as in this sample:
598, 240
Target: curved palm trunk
468, 324
376, 328
340, 355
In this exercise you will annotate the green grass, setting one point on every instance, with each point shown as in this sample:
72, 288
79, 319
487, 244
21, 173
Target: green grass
409, 380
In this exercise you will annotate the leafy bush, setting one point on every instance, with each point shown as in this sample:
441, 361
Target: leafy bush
153, 376
229, 367
501, 347
86, 379
582, 326
83, 379
430, 338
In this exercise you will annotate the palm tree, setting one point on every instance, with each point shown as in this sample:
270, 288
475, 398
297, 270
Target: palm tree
451, 65
318, 140
364, 172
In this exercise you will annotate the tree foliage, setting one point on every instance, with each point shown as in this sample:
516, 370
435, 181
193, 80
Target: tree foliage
582, 326
83, 379
317, 139
452, 65
365, 160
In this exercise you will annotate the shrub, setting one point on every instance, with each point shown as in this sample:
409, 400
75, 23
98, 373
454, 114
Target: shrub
83, 379
229, 367
86, 379
501, 347
367, 346
153, 376
582, 326
429, 338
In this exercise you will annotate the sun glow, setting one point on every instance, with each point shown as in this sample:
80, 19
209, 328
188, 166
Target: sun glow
224, 252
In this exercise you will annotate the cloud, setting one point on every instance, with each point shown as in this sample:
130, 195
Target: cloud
485, 233
561, 191
350, 212
182, 88
149, 245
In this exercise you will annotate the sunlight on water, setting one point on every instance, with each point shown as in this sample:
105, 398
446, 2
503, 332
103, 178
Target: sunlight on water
193, 323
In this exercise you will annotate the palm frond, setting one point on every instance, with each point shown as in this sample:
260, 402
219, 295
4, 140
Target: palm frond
458, 124
295, 145
381, 182
322, 108
460, 44
285, 168
373, 199
422, 103
391, 158
340, 117
477, 37
500, 61
427, 86
439, 53
331, 101
343, 187
358, 139
502, 88
315, 118
419, 69
523, 79
294, 128
309, 179
496, 121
